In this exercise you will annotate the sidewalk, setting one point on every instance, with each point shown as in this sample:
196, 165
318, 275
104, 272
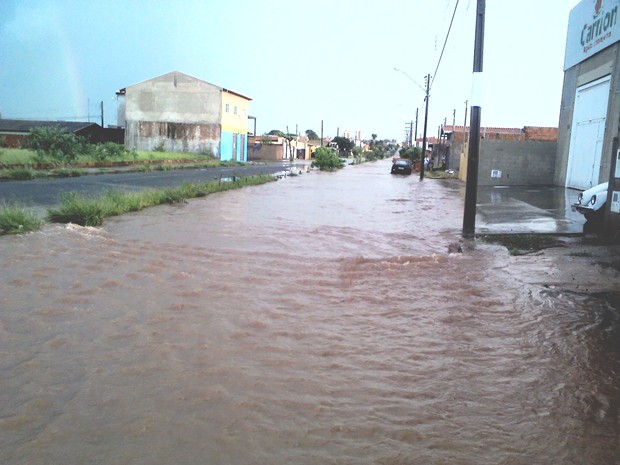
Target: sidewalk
527, 209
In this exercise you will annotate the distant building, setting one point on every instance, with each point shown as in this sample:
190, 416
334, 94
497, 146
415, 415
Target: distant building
276, 148
180, 113
15, 131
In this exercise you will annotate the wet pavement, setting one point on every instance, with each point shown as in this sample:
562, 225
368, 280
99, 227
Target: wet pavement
527, 209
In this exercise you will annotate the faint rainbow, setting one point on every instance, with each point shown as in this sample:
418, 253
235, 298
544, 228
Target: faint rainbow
78, 102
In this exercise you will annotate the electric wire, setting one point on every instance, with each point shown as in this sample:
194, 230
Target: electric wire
445, 43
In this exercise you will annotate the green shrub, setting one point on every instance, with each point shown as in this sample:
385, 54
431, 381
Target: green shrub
21, 174
326, 159
159, 147
17, 220
56, 144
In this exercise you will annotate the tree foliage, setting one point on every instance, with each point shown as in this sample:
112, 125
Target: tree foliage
326, 159
310, 134
345, 145
411, 153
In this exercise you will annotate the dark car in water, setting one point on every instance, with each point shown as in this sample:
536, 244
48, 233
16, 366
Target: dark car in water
401, 166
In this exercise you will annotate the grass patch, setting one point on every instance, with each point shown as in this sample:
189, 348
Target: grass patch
29, 157
18, 157
15, 219
521, 244
92, 210
18, 174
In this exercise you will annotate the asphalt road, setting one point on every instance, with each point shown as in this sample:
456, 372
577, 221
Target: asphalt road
46, 192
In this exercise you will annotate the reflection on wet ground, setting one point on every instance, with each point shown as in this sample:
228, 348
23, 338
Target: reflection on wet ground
527, 209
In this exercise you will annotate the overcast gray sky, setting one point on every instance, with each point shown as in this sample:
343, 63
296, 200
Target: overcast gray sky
300, 61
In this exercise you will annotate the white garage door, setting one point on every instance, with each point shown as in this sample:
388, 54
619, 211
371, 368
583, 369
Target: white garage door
588, 132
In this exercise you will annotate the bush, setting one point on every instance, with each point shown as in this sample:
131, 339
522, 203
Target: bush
326, 159
55, 143
107, 151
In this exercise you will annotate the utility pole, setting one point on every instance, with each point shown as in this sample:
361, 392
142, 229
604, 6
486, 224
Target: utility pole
411, 134
416, 128
428, 84
321, 133
465, 124
102, 113
471, 187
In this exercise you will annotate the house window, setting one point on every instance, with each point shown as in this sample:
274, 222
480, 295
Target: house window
228, 108
235, 110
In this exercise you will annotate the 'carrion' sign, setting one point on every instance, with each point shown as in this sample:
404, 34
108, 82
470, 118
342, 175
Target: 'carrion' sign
592, 26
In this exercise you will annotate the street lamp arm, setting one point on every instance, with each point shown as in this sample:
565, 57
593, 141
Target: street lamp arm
410, 78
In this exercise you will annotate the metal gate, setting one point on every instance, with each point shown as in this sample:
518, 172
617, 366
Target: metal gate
587, 134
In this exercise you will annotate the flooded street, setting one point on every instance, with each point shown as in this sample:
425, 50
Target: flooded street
315, 320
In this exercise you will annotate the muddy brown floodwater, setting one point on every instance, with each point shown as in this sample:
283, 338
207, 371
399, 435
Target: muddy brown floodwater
316, 320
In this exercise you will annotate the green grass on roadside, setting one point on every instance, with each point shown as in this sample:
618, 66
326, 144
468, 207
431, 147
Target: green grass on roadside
91, 211
10, 156
17, 156
15, 219
19, 174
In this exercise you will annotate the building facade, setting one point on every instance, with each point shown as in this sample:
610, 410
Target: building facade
590, 108
590, 111
179, 113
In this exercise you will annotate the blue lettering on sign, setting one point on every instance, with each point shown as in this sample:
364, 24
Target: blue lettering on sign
592, 31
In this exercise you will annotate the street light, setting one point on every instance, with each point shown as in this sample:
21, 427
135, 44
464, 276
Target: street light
410, 78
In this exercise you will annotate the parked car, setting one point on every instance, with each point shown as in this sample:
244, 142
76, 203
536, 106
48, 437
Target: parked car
401, 166
591, 203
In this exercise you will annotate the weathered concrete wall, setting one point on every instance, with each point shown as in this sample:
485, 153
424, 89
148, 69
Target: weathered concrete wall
515, 163
177, 110
175, 137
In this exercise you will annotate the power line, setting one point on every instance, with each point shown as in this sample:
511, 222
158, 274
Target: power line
445, 42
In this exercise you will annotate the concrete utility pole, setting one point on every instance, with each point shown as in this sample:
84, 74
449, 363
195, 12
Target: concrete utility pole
428, 84
415, 136
410, 133
465, 123
102, 114
471, 187
321, 133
